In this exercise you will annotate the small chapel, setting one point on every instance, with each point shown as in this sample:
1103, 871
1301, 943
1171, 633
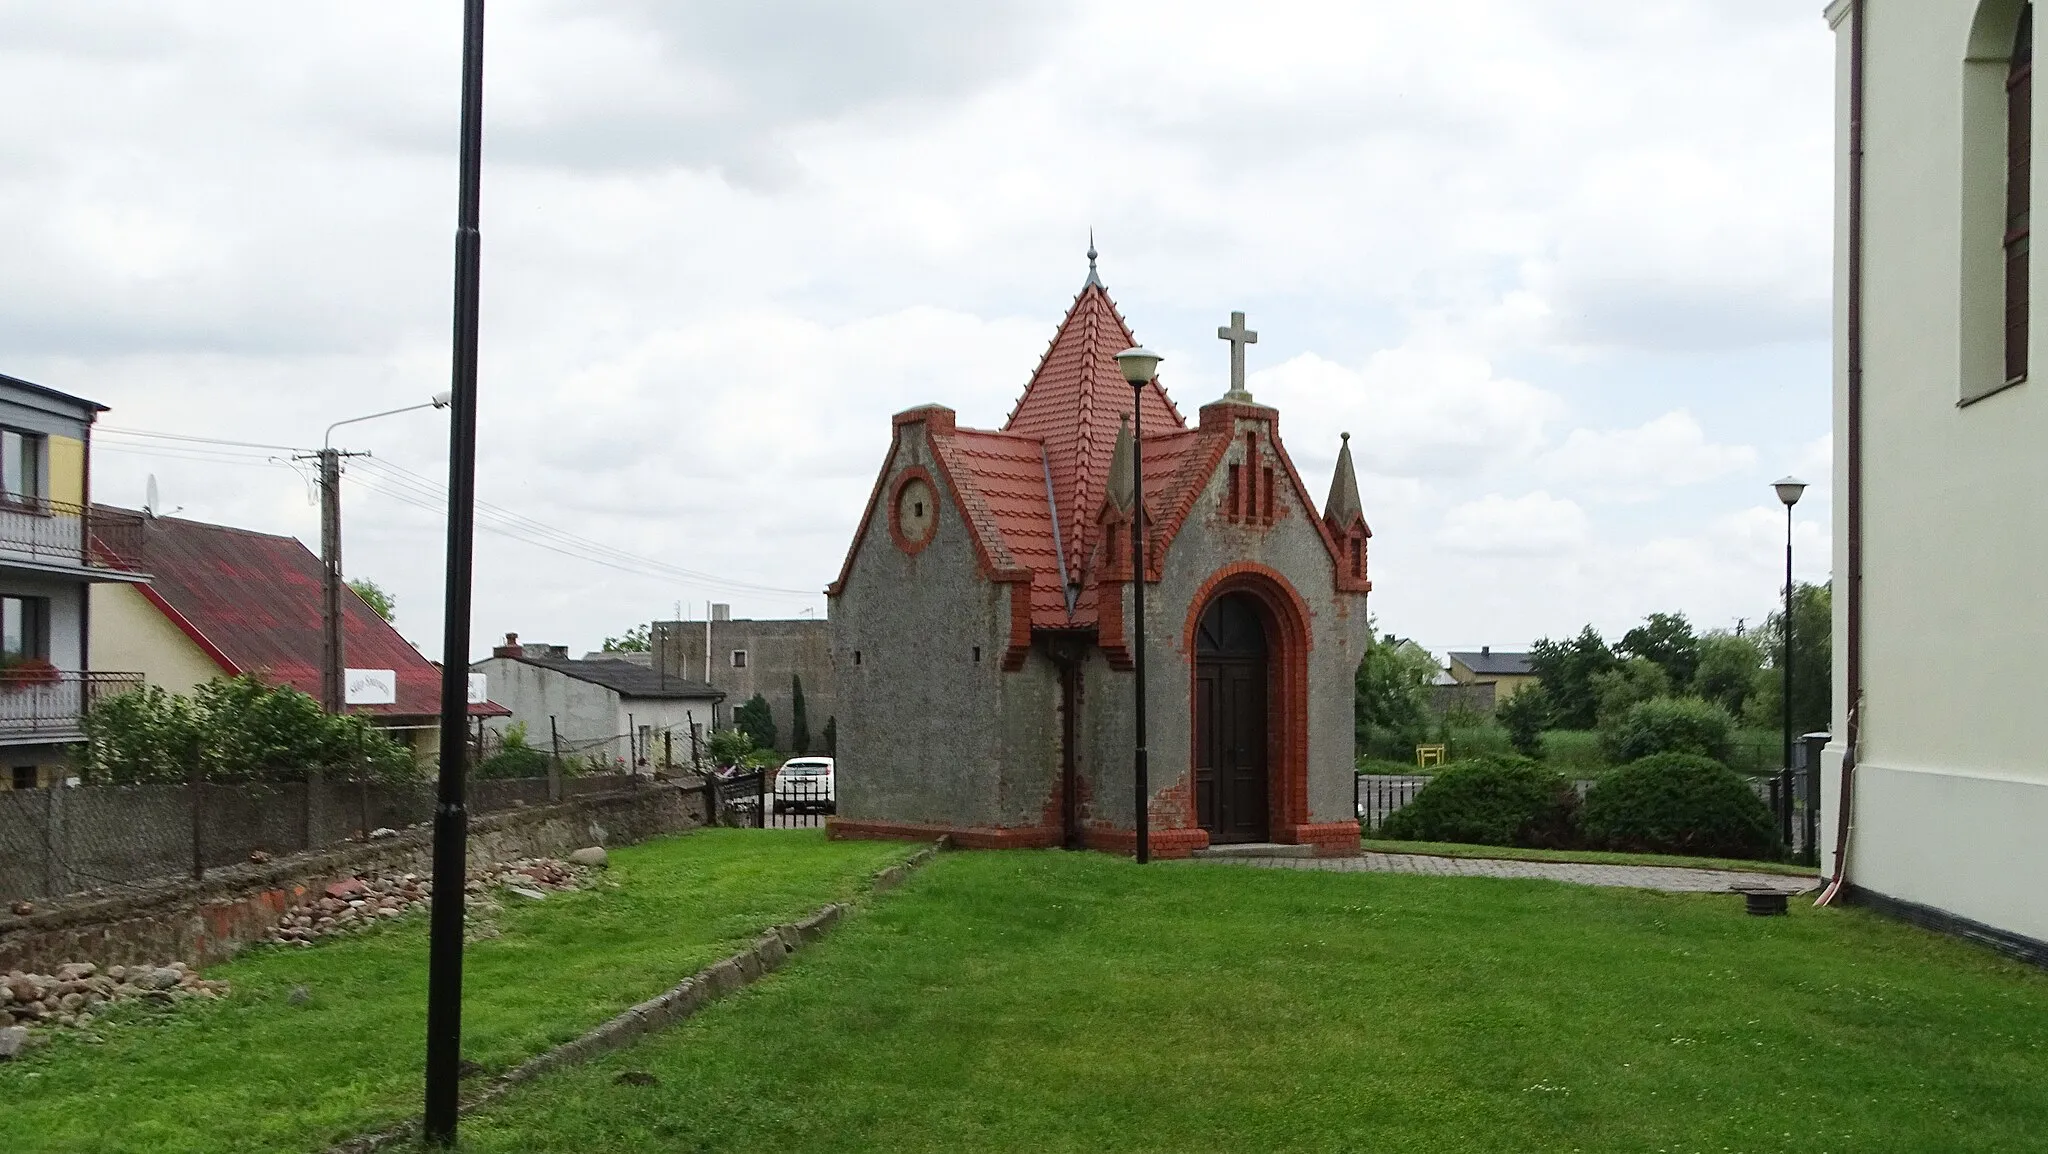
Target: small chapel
984, 634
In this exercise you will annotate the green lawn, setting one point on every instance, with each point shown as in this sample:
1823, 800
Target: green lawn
256, 1073
1052, 1001
1597, 857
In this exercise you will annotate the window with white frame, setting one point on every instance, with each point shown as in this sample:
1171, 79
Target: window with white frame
739, 659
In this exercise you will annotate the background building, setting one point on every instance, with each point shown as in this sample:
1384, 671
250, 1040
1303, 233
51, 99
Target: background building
749, 657
1508, 673
224, 601
54, 547
602, 708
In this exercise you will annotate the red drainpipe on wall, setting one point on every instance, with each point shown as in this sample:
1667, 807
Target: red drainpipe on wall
1853, 642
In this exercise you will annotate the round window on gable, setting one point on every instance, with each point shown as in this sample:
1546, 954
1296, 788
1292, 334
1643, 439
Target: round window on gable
915, 517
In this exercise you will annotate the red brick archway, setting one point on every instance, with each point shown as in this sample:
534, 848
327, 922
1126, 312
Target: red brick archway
1284, 615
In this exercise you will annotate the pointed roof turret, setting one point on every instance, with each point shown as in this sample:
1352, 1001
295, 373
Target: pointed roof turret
1074, 403
1121, 474
1343, 507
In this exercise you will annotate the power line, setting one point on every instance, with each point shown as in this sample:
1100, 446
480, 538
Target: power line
403, 485
407, 487
199, 440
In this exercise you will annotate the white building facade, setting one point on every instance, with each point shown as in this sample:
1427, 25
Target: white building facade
614, 711
1941, 472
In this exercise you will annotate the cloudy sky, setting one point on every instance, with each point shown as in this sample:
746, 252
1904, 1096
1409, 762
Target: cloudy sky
1560, 267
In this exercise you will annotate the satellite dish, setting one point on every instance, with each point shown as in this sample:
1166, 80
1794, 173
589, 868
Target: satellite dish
150, 498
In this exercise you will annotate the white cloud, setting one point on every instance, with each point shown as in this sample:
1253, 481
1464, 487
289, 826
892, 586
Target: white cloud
1536, 524
1635, 464
1414, 410
723, 242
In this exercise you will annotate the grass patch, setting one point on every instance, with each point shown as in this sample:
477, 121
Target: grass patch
256, 1073
1588, 856
1071, 1002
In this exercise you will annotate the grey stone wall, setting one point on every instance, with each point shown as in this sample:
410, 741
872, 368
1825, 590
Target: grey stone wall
776, 650
208, 920
931, 730
60, 841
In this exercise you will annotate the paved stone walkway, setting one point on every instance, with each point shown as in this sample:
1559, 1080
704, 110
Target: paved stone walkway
1670, 879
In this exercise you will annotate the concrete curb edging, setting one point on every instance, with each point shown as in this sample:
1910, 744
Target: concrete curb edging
665, 1009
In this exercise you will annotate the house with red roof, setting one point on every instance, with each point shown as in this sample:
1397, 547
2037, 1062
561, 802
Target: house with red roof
223, 601
981, 622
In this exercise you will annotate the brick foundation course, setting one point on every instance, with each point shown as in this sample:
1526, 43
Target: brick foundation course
206, 921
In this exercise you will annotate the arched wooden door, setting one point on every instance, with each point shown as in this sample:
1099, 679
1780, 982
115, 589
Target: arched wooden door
1230, 721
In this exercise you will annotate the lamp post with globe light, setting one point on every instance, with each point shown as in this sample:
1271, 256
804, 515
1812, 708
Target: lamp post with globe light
1789, 490
1139, 365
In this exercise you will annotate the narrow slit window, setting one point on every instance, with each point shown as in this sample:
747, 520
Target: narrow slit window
1269, 495
1357, 558
2019, 152
977, 655
1236, 498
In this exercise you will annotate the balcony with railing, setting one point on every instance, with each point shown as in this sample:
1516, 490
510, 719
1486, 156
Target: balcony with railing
38, 703
46, 534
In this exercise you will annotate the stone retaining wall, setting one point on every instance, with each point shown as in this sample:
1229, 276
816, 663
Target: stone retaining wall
200, 922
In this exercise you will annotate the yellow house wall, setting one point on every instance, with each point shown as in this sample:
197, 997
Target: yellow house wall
130, 635
1507, 685
67, 470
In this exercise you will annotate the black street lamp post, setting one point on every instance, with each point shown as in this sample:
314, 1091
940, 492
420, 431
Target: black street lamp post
451, 816
1139, 365
1789, 490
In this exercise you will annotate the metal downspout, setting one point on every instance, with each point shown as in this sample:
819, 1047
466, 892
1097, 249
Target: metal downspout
1853, 497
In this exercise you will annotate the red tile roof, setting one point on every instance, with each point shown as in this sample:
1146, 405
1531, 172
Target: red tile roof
1074, 403
252, 601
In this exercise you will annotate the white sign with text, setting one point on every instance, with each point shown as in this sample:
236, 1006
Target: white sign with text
370, 686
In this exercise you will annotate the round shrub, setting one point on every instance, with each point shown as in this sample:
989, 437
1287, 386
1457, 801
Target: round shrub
1504, 800
1670, 725
1678, 803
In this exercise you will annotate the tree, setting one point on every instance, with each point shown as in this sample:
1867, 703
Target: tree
757, 721
1390, 708
638, 639
1666, 639
799, 717
1525, 716
1727, 670
1628, 684
1566, 670
733, 748
373, 595
1812, 665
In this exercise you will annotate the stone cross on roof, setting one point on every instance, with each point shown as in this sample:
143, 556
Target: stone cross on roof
1239, 337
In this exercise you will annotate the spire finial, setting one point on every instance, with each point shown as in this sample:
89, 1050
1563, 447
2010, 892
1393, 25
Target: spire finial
1092, 278
1346, 437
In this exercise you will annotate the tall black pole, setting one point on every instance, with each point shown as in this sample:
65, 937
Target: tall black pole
451, 819
1785, 781
1141, 770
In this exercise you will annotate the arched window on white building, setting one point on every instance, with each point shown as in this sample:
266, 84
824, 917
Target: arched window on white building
1997, 193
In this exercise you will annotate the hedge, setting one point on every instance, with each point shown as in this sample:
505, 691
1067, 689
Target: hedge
1681, 804
1505, 800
